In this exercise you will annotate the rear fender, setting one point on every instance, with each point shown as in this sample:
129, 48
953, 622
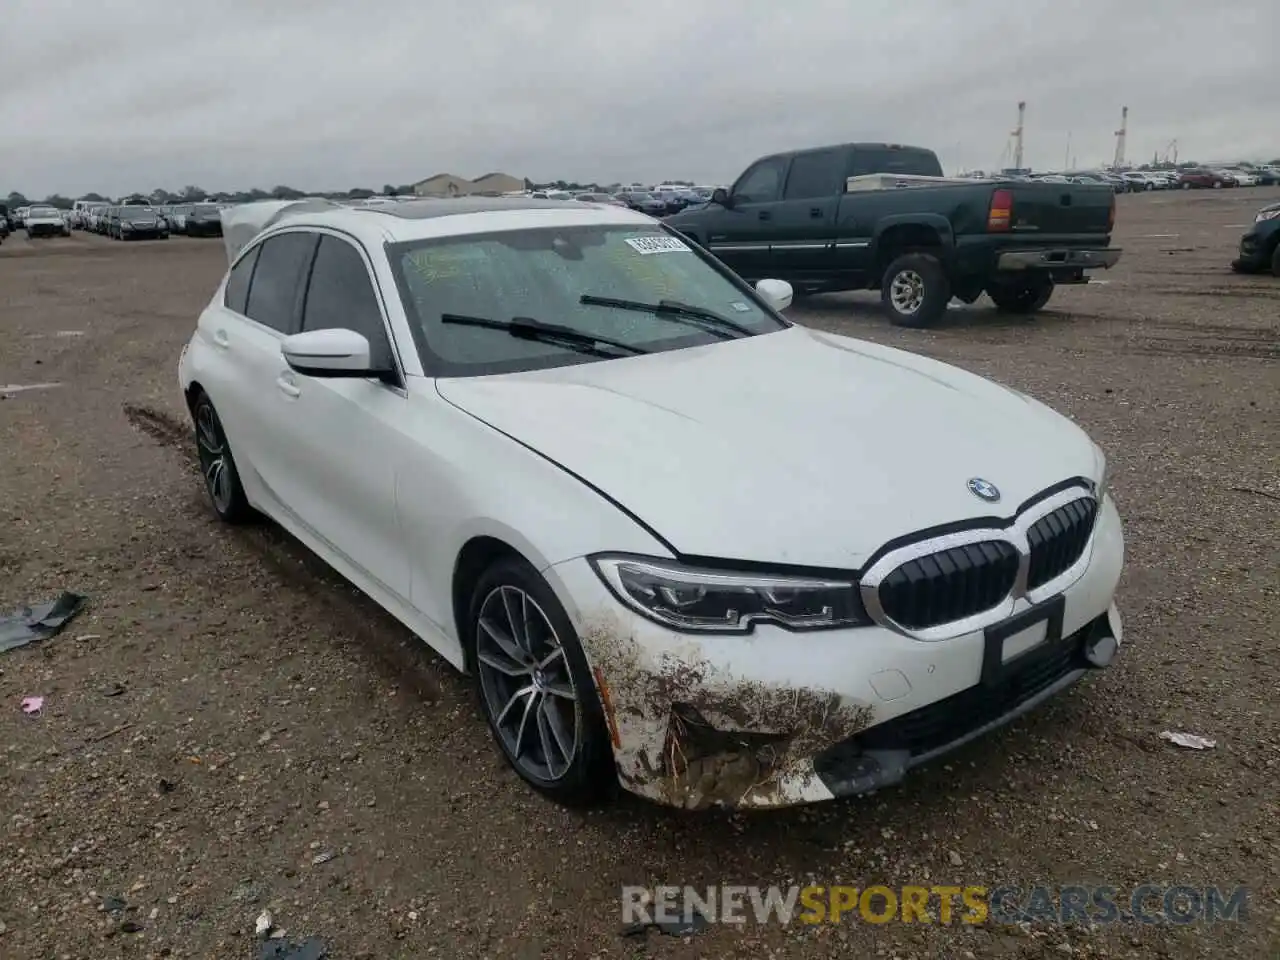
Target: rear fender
910, 231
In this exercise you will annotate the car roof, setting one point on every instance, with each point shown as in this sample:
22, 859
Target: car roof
428, 208
429, 218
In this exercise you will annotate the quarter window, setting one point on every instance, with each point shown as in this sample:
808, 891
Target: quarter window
237, 292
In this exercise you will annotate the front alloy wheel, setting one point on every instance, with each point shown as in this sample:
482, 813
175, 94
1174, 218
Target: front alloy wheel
217, 466
528, 689
535, 687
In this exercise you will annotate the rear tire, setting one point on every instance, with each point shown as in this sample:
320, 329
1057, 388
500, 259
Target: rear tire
1023, 298
915, 290
535, 687
217, 465
1275, 261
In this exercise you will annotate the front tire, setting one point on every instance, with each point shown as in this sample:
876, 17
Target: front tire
1275, 261
1024, 298
915, 291
217, 465
535, 687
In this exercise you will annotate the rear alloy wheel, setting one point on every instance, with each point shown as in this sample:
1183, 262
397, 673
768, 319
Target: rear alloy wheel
217, 466
535, 687
1025, 298
915, 290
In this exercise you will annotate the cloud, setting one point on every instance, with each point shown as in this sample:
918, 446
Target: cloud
333, 93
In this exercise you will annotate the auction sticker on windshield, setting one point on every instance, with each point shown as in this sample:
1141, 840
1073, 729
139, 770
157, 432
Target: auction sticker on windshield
648, 245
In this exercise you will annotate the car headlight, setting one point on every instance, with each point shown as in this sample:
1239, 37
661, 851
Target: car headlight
698, 600
1267, 215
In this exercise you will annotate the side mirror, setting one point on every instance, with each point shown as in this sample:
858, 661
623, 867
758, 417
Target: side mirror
776, 293
721, 196
329, 353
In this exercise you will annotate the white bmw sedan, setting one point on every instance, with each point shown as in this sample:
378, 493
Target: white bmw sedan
678, 542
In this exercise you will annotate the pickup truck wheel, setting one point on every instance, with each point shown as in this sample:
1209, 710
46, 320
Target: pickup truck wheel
915, 290
1026, 297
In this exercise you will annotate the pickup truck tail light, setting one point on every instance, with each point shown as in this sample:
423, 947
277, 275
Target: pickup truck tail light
1000, 214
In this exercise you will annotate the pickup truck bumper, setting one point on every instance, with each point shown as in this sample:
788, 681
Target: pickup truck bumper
1058, 259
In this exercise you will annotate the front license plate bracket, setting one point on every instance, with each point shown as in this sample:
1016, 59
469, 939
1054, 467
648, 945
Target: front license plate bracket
1050, 613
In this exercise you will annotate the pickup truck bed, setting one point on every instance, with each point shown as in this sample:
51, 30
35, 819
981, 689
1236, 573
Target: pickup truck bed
942, 237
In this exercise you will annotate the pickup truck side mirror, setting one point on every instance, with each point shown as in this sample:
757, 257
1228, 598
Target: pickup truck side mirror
721, 196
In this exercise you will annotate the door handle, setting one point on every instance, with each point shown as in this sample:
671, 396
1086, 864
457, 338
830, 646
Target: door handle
220, 339
815, 212
766, 215
287, 385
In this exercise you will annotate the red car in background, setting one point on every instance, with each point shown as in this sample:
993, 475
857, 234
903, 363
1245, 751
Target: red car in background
1202, 178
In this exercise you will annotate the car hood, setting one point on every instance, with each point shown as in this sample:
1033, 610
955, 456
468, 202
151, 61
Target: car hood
797, 447
31, 220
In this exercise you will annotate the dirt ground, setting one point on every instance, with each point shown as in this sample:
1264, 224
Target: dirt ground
225, 710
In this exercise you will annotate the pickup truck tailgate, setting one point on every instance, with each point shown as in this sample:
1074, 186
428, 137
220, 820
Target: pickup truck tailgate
1061, 208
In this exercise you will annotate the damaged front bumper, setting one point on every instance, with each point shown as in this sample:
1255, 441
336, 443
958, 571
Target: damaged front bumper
775, 718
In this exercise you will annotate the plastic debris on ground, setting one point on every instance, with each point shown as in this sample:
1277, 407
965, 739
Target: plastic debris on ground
38, 621
1190, 741
312, 948
262, 926
32, 705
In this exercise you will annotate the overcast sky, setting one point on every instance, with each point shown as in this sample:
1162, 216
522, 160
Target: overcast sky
327, 94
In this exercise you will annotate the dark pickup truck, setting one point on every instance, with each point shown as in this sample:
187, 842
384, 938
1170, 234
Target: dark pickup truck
866, 216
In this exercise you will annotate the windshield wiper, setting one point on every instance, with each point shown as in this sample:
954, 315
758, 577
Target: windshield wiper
700, 316
527, 328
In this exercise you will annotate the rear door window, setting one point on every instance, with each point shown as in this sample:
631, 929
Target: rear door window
816, 174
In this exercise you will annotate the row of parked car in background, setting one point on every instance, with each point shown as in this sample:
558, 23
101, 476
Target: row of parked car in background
1187, 178
143, 221
129, 221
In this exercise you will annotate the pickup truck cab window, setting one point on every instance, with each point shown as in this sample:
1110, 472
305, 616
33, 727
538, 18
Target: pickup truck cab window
762, 183
819, 173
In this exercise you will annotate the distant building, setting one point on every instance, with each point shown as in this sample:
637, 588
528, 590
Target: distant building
497, 184
449, 185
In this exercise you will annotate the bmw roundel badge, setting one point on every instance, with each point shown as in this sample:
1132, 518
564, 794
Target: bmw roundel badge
984, 490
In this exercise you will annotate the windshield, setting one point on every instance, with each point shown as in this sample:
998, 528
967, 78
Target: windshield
204, 209
43, 212
137, 212
541, 275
